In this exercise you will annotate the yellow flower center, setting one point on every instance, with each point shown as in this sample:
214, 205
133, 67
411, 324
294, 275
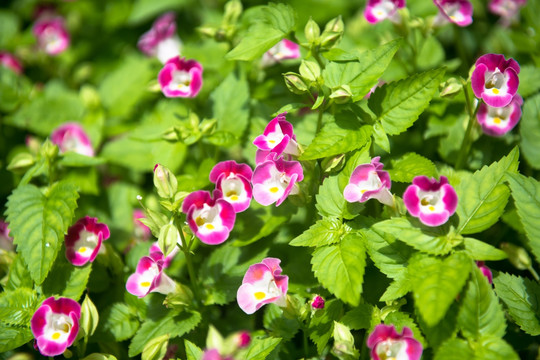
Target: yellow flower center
259, 295
495, 91
82, 249
56, 336
145, 284
274, 189
431, 208
210, 227
497, 120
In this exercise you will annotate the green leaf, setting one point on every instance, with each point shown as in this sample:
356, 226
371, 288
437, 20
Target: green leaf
9, 26
522, 299
119, 322
526, 194
231, 107
340, 268
272, 24
360, 317
479, 250
436, 283
11, 337
330, 200
144, 10
398, 104
480, 313
18, 275
431, 240
446, 328
431, 54
193, 352
454, 349
398, 288
73, 159
38, 223
326, 231
260, 348
483, 196
389, 255
338, 137
17, 307
171, 325
67, 280
529, 131
400, 320
410, 165
363, 73
532, 83
321, 327
126, 85
494, 348
14, 88
279, 325
380, 137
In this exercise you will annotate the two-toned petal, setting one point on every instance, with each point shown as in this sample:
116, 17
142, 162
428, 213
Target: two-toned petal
84, 239
369, 181
283, 50
55, 325
72, 137
51, 34
149, 277
458, 12
386, 343
233, 180
275, 179
378, 10
161, 40
278, 137
432, 201
497, 121
180, 77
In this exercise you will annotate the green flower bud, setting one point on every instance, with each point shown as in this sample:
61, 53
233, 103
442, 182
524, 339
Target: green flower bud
21, 161
295, 83
343, 342
156, 348
333, 32
89, 317
168, 237
450, 87
310, 70
312, 31
342, 94
233, 10
165, 182
517, 255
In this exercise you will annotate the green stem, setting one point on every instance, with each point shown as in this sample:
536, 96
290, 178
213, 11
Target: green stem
186, 249
306, 349
534, 273
466, 142
319, 120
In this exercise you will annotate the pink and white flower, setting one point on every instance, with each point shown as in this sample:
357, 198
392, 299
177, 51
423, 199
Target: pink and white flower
141, 231
432, 201
84, 239
180, 77
278, 137
378, 10
211, 220
149, 277
71, 137
369, 181
233, 180
157, 254
495, 79
497, 121
161, 40
274, 179
9, 61
283, 50
485, 271
385, 343
262, 284
51, 33
55, 325
458, 12
508, 10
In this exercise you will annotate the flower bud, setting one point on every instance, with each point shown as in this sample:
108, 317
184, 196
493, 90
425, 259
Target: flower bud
317, 302
342, 94
168, 236
312, 31
208, 31
89, 96
517, 255
310, 70
343, 342
21, 161
233, 10
156, 348
335, 25
295, 83
49, 150
89, 317
165, 182
243, 339
181, 296
450, 87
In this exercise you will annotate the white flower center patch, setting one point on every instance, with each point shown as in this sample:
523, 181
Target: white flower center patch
266, 288
58, 327
87, 243
392, 350
498, 117
233, 189
430, 201
373, 182
495, 82
383, 9
180, 80
207, 219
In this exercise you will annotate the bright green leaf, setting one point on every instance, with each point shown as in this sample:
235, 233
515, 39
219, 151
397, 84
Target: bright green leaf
479, 250
359, 317
436, 283
398, 104
522, 299
326, 231
454, 349
231, 108
526, 194
483, 196
389, 255
38, 223
321, 327
17, 307
260, 348
400, 320
11, 337
480, 313
18, 275
193, 352
398, 288
67, 280
494, 348
340, 268
410, 165
119, 322
444, 330
529, 130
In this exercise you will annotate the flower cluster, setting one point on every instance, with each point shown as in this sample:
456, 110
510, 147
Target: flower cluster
51, 33
83, 240
149, 276
274, 177
495, 80
262, 284
72, 137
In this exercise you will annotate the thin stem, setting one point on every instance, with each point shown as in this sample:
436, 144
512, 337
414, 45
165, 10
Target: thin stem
319, 120
186, 249
534, 273
466, 142
306, 349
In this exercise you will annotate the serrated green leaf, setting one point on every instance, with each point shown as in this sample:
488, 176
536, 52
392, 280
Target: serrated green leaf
18, 275
67, 280
410, 165
11, 337
330, 200
397, 288
260, 348
338, 137
522, 299
322, 327
483, 196
326, 231
17, 307
454, 349
390, 256
119, 322
446, 328
230, 105
340, 268
400, 319
436, 283
529, 130
193, 352
380, 137
494, 348
38, 223
430, 240
364, 72
526, 194
532, 83
274, 22
479, 250
398, 104
359, 317
480, 313
173, 325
